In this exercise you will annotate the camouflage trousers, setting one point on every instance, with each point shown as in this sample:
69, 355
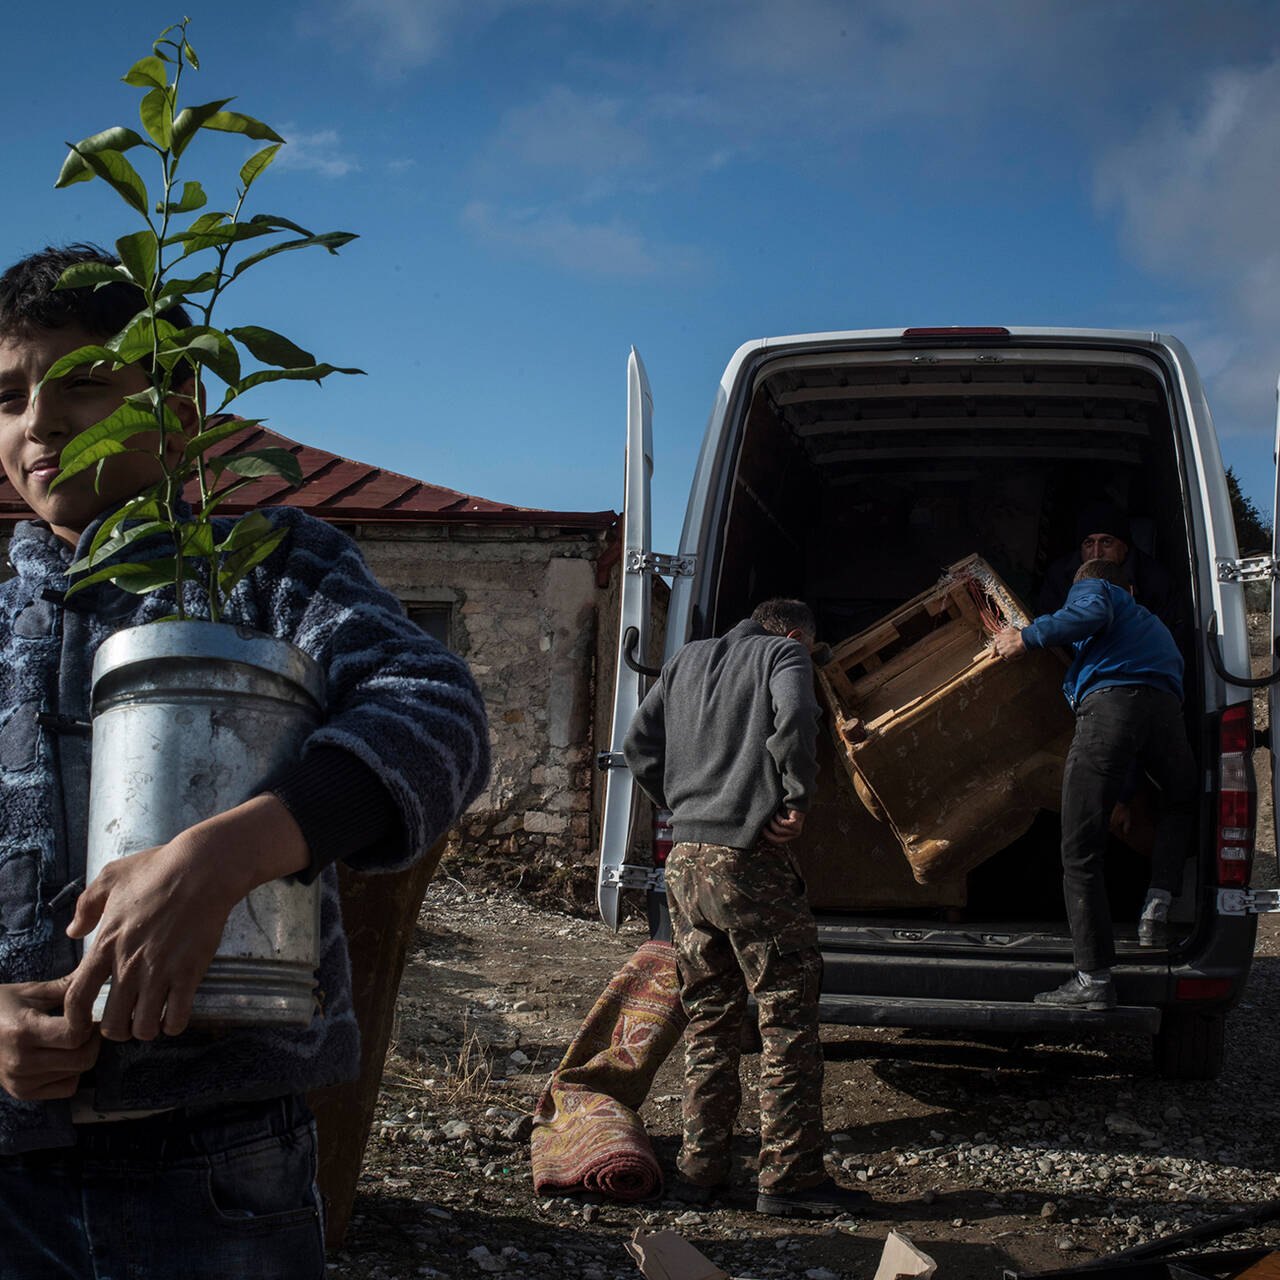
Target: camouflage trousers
740, 923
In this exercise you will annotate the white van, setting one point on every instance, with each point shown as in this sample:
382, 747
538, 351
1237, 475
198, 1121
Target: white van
849, 469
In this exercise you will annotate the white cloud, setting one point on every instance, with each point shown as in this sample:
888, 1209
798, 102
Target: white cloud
1197, 194
585, 248
320, 152
406, 34
401, 33
570, 130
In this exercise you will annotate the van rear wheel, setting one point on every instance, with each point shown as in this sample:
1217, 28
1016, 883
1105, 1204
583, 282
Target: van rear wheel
1189, 1046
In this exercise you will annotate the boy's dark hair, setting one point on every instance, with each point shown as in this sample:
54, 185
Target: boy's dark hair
1107, 570
30, 299
781, 616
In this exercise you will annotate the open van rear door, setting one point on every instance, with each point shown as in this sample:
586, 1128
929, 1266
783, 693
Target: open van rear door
1273, 689
633, 639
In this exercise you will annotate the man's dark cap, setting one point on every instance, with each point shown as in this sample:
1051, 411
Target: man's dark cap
1103, 517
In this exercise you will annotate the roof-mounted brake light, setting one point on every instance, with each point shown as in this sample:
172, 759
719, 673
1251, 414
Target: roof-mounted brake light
957, 331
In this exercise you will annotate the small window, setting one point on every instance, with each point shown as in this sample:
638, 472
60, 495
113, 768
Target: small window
434, 619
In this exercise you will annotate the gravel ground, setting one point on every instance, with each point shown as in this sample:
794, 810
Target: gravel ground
987, 1153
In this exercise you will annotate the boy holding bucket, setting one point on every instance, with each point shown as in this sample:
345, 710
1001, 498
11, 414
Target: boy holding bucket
142, 1146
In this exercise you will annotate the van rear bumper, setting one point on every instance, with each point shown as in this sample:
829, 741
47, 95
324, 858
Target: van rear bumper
983, 1015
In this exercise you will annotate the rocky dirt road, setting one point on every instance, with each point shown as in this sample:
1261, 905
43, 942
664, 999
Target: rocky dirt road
987, 1154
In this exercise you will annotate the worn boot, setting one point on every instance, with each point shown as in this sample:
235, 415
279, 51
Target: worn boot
1081, 992
826, 1200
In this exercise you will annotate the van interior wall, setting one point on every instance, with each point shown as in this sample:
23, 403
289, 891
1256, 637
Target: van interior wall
858, 541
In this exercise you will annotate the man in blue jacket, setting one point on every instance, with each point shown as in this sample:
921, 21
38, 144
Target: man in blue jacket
1125, 686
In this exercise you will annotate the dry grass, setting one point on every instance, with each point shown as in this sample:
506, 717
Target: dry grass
466, 1074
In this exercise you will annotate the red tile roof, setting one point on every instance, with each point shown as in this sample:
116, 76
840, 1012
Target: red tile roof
346, 492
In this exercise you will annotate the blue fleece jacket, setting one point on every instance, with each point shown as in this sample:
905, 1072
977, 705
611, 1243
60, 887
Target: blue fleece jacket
398, 702
1116, 641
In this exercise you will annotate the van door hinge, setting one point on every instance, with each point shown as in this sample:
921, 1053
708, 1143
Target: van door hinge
1248, 902
1248, 569
664, 566
631, 877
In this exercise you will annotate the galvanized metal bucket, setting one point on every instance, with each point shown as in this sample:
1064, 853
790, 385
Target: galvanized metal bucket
189, 718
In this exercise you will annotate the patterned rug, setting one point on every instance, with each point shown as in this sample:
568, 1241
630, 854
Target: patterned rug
586, 1133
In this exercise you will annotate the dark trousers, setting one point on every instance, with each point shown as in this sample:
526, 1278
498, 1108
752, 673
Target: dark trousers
202, 1193
1118, 728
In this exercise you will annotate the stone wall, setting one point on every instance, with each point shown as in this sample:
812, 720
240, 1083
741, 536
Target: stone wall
528, 610
534, 611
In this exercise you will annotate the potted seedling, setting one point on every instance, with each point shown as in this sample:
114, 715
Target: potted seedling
190, 714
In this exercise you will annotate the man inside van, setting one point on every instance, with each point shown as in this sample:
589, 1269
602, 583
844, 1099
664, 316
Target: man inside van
726, 739
1105, 532
1125, 686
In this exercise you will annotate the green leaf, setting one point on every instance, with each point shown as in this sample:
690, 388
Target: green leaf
223, 494
190, 54
234, 122
197, 241
143, 507
120, 175
331, 240
138, 578
205, 440
276, 222
205, 222
74, 167
271, 347
246, 531
193, 198
191, 119
175, 290
104, 439
197, 540
211, 347
105, 548
137, 253
256, 463
238, 564
76, 359
313, 374
136, 341
160, 40
140, 338
147, 72
256, 163
83, 274
156, 113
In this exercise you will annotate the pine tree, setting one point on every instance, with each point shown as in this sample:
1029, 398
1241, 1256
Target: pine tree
1253, 532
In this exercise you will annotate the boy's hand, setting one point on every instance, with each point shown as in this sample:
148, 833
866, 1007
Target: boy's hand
1008, 643
784, 826
42, 1055
160, 914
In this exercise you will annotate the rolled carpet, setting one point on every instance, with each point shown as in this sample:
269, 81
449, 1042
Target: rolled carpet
586, 1133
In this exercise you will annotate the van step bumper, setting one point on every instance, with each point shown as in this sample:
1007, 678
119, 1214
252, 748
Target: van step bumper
982, 1015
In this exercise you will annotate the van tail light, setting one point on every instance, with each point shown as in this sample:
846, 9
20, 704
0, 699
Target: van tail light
661, 836
1237, 796
1202, 988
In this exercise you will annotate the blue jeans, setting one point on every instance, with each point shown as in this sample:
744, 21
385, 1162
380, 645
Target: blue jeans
201, 1193
1118, 728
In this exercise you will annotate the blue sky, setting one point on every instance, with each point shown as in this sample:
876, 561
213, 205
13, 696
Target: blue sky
539, 184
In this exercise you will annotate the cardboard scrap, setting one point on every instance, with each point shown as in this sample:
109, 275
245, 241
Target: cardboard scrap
1267, 1268
666, 1255
901, 1258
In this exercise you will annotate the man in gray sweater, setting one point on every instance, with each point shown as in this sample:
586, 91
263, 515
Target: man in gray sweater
726, 740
